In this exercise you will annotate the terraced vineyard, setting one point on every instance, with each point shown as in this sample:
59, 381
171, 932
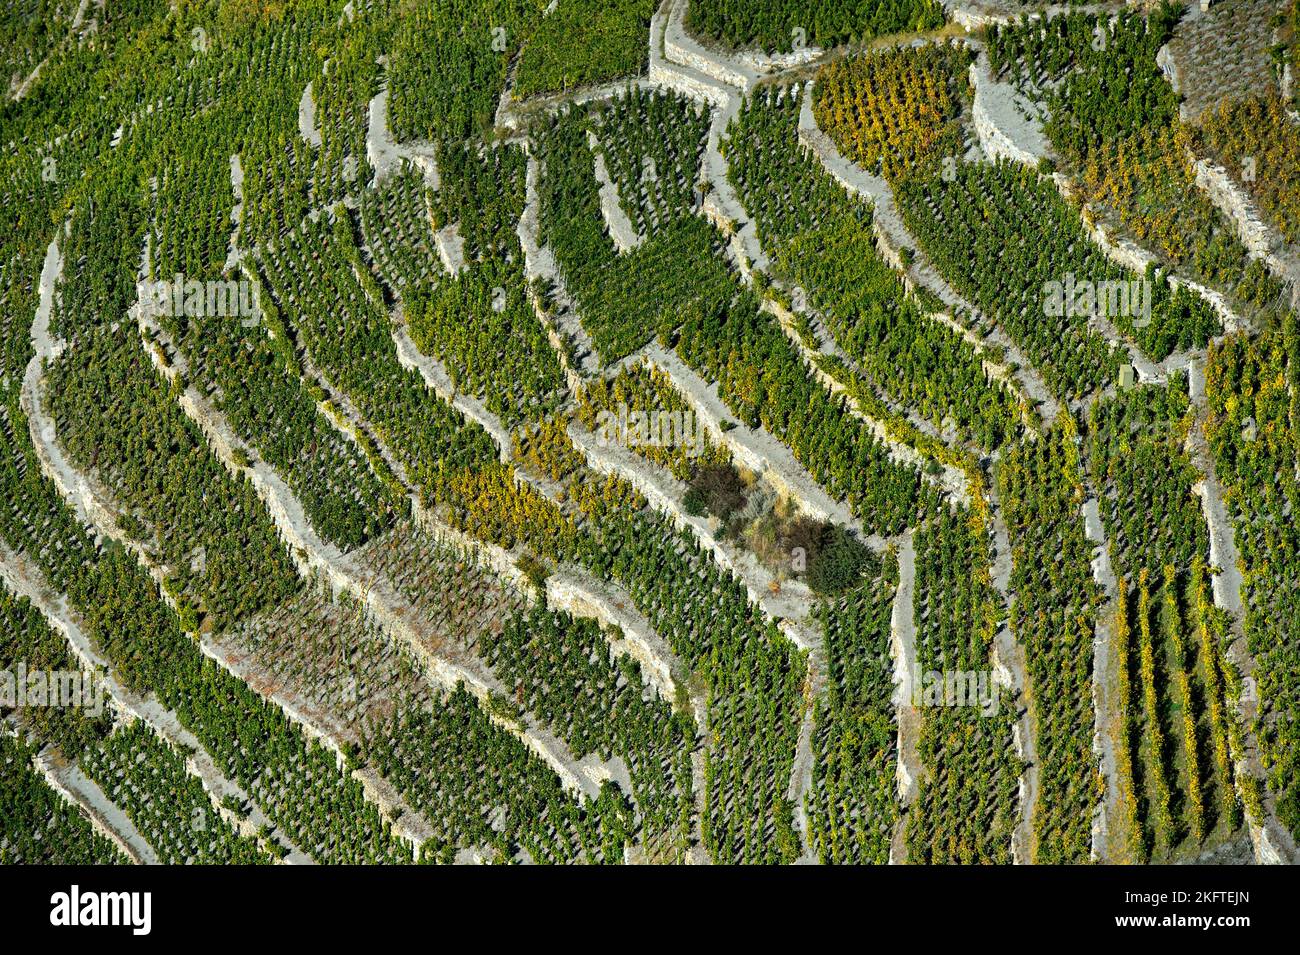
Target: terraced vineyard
40, 828
821, 241
1261, 132
1002, 235
1116, 123
857, 104
501, 431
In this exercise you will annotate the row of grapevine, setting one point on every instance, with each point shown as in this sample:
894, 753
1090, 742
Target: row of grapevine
1259, 144
563, 670
27, 640
321, 651
752, 674
1145, 478
583, 43
223, 556
652, 144
1219, 680
453, 594
1114, 119
622, 299
397, 232
484, 791
350, 76
892, 110
1159, 547
101, 254
191, 207
632, 407
494, 504
479, 321
448, 64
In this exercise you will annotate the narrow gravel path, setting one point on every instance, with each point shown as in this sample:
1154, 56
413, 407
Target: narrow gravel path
902, 629
801, 770
1107, 719
1001, 115
233, 255
1011, 674
568, 339
619, 226
307, 127
384, 154
76, 787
